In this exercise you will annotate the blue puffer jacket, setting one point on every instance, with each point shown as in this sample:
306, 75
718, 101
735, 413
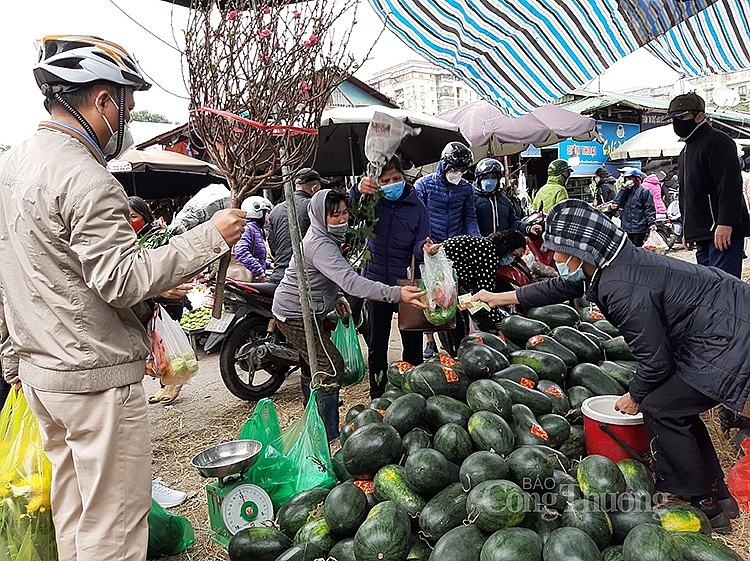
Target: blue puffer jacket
495, 212
451, 207
400, 232
636, 207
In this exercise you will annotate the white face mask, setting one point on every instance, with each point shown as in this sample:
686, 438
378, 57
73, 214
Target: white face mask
454, 177
127, 138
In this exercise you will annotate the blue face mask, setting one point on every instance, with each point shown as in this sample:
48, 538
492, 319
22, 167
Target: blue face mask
506, 260
393, 191
629, 184
565, 273
488, 185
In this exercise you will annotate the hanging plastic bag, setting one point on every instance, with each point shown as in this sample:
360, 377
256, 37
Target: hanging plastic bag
168, 534
293, 460
346, 340
738, 479
654, 242
172, 357
26, 529
439, 280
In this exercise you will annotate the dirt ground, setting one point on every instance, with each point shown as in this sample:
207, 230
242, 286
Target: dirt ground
206, 414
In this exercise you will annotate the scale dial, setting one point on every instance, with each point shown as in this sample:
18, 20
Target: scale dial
246, 505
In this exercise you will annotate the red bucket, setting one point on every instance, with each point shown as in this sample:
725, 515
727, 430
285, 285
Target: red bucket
610, 433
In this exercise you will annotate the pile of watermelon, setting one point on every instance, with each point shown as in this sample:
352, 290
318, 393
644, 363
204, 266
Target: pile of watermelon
482, 458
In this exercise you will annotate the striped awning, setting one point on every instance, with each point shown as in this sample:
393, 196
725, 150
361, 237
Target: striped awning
522, 54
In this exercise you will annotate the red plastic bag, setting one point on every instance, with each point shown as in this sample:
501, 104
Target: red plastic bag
738, 479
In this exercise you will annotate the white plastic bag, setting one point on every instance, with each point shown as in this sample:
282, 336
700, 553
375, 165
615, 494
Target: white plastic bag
439, 280
172, 357
654, 242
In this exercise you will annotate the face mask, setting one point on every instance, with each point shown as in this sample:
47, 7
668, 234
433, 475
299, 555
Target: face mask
506, 260
488, 185
565, 273
629, 184
454, 177
338, 231
393, 191
138, 224
111, 146
683, 128
518, 191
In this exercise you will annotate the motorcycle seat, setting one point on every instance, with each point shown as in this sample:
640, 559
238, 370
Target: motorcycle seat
263, 288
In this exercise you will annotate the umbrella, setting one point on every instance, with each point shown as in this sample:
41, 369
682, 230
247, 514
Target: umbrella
158, 174
341, 138
651, 143
490, 132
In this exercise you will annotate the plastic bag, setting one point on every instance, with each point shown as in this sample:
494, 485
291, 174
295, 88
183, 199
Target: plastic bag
439, 280
346, 340
738, 479
293, 460
172, 358
168, 534
26, 529
654, 242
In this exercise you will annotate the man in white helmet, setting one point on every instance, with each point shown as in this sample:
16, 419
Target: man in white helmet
72, 304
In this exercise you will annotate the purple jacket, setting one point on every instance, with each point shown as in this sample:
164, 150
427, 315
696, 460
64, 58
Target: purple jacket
251, 249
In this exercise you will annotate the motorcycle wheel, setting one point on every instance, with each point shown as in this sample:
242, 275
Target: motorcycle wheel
241, 376
672, 240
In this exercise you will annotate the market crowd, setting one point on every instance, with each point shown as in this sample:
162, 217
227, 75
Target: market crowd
77, 290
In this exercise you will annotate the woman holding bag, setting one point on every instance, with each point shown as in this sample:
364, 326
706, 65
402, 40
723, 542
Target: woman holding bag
401, 232
329, 273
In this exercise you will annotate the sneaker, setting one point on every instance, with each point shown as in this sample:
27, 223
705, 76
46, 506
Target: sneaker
718, 519
165, 496
430, 350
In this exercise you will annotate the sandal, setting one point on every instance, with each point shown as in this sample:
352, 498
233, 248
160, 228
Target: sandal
157, 397
169, 393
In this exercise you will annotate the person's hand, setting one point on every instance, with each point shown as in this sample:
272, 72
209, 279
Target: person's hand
343, 309
431, 248
230, 223
652, 227
14, 383
177, 292
495, 299
368, 186
536, 229
688, 245
412, 295
723, 237
260, 278
626, 405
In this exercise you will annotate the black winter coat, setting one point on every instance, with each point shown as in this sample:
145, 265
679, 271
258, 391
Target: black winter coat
636, 208
605, 190
711, 186
677, 318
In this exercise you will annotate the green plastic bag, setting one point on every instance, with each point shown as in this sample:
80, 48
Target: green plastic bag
293, 460
168, 534
26, 529
346, 340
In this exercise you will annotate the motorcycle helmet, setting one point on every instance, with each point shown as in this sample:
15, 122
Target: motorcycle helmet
631, 172
255, 206
67, 62
487, 166
560, 168
457, 154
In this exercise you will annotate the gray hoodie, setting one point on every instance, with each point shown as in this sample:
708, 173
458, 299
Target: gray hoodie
329, 272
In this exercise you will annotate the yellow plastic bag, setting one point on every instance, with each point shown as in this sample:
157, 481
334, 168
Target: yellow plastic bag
26, 529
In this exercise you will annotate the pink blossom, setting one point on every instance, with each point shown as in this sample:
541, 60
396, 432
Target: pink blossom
264, 58
232, 14
304, 86
264, 33
313, 39
297, 14
266, 10
306, 43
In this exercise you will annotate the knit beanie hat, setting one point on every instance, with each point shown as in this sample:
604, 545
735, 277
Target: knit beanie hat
577, 228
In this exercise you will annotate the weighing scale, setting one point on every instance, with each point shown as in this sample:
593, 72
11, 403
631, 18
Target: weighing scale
234, 502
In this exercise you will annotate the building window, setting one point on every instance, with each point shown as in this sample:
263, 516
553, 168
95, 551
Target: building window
742, 90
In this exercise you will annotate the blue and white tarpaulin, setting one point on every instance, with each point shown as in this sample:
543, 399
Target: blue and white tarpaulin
522, 54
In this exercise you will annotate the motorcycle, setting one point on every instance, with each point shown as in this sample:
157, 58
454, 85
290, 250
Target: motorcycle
254, 356
675, 218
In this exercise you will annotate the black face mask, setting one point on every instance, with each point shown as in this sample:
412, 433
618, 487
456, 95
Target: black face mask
684, 128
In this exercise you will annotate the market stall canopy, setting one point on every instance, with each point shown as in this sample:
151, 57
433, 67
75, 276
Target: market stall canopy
657, 142
157, 174
526, 53
341, 138
492, 133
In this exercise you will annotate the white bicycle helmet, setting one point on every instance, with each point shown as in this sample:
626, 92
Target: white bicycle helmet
255, 206
67, 62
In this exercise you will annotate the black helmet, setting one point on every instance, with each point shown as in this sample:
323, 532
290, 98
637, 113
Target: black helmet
457, 154
487, 166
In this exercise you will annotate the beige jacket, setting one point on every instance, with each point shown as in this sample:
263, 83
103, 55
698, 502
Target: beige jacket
71, 271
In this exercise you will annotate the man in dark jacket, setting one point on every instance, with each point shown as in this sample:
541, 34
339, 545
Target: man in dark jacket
495, 211
687, 328
635, 206
308, 182
604, 186
400, 234
714, 214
